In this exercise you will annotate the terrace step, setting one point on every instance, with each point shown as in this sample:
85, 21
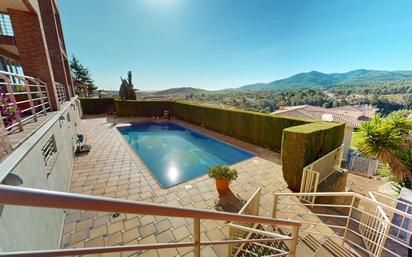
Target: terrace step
330, 248
310, 246
307, 246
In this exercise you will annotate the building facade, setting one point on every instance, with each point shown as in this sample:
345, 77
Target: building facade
32, 44
32, 53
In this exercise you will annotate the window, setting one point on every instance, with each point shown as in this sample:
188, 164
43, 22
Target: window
50, 154
9, 65
6, 29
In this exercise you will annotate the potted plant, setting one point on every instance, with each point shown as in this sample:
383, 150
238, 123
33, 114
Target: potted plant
223, 176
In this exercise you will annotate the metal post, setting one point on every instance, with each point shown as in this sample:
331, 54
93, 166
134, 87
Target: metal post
347, 222
230, 247
294, 242
30, 98
41, 93
275, 206
385, 236
196, 230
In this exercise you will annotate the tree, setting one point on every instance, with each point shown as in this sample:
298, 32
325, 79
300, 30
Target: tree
389, 140
127, 91
81, 74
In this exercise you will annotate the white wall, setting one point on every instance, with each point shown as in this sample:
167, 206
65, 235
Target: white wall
27, 228
347, 140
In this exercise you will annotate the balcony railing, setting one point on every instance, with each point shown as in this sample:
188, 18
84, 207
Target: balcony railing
28, 96
13, 195
61, 92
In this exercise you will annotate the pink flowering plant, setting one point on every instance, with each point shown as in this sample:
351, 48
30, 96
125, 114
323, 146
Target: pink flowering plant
8, 109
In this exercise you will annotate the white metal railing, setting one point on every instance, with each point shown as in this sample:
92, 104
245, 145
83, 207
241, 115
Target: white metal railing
61, 92
361, 223
400, 224
319, 170
29, 96
13, 195
283, 246
373, 224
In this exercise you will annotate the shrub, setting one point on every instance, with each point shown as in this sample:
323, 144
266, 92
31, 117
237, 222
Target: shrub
304, 144
96, 105
222, 173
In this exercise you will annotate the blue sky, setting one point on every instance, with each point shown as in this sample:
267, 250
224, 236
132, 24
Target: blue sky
216, 44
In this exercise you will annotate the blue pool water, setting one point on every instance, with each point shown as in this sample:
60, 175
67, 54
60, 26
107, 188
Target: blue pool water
175, 154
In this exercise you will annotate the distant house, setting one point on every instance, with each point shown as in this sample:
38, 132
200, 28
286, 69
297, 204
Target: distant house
353, 116
361, 112
83, 87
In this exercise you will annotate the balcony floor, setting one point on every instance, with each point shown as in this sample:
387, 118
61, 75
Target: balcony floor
16, 137
112, 169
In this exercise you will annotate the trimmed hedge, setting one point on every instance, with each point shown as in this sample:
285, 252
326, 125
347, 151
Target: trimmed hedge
301, 145
132, 108
256, 128
96, 105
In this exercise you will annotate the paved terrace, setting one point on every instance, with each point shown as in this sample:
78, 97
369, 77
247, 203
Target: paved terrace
112, 169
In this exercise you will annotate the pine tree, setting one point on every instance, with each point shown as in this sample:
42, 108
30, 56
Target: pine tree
81, 74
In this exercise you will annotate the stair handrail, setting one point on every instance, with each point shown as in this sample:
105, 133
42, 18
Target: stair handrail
374, 229
21, 196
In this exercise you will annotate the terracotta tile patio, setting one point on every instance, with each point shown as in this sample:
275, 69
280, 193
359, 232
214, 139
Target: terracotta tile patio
112, 169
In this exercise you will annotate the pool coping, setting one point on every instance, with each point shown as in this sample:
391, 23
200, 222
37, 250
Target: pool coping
183, 124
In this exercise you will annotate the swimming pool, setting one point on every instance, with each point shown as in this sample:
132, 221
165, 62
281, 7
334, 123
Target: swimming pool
175, 154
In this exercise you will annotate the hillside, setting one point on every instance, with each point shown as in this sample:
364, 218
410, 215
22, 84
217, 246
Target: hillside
319, 79
181, 90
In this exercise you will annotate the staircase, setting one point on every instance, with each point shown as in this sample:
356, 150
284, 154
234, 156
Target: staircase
308, 246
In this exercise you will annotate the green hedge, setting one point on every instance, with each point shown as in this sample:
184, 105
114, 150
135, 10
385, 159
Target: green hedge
96, 105
132, 108
304, 144
256, 128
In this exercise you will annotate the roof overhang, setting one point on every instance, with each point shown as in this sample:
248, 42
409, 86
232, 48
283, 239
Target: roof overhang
10, 51
14, 4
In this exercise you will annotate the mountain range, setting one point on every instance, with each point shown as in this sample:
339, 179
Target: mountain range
319, 79
313, 79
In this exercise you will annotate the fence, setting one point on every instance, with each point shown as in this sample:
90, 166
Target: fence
363, 166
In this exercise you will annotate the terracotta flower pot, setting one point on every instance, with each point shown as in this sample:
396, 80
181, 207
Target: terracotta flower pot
222, 185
